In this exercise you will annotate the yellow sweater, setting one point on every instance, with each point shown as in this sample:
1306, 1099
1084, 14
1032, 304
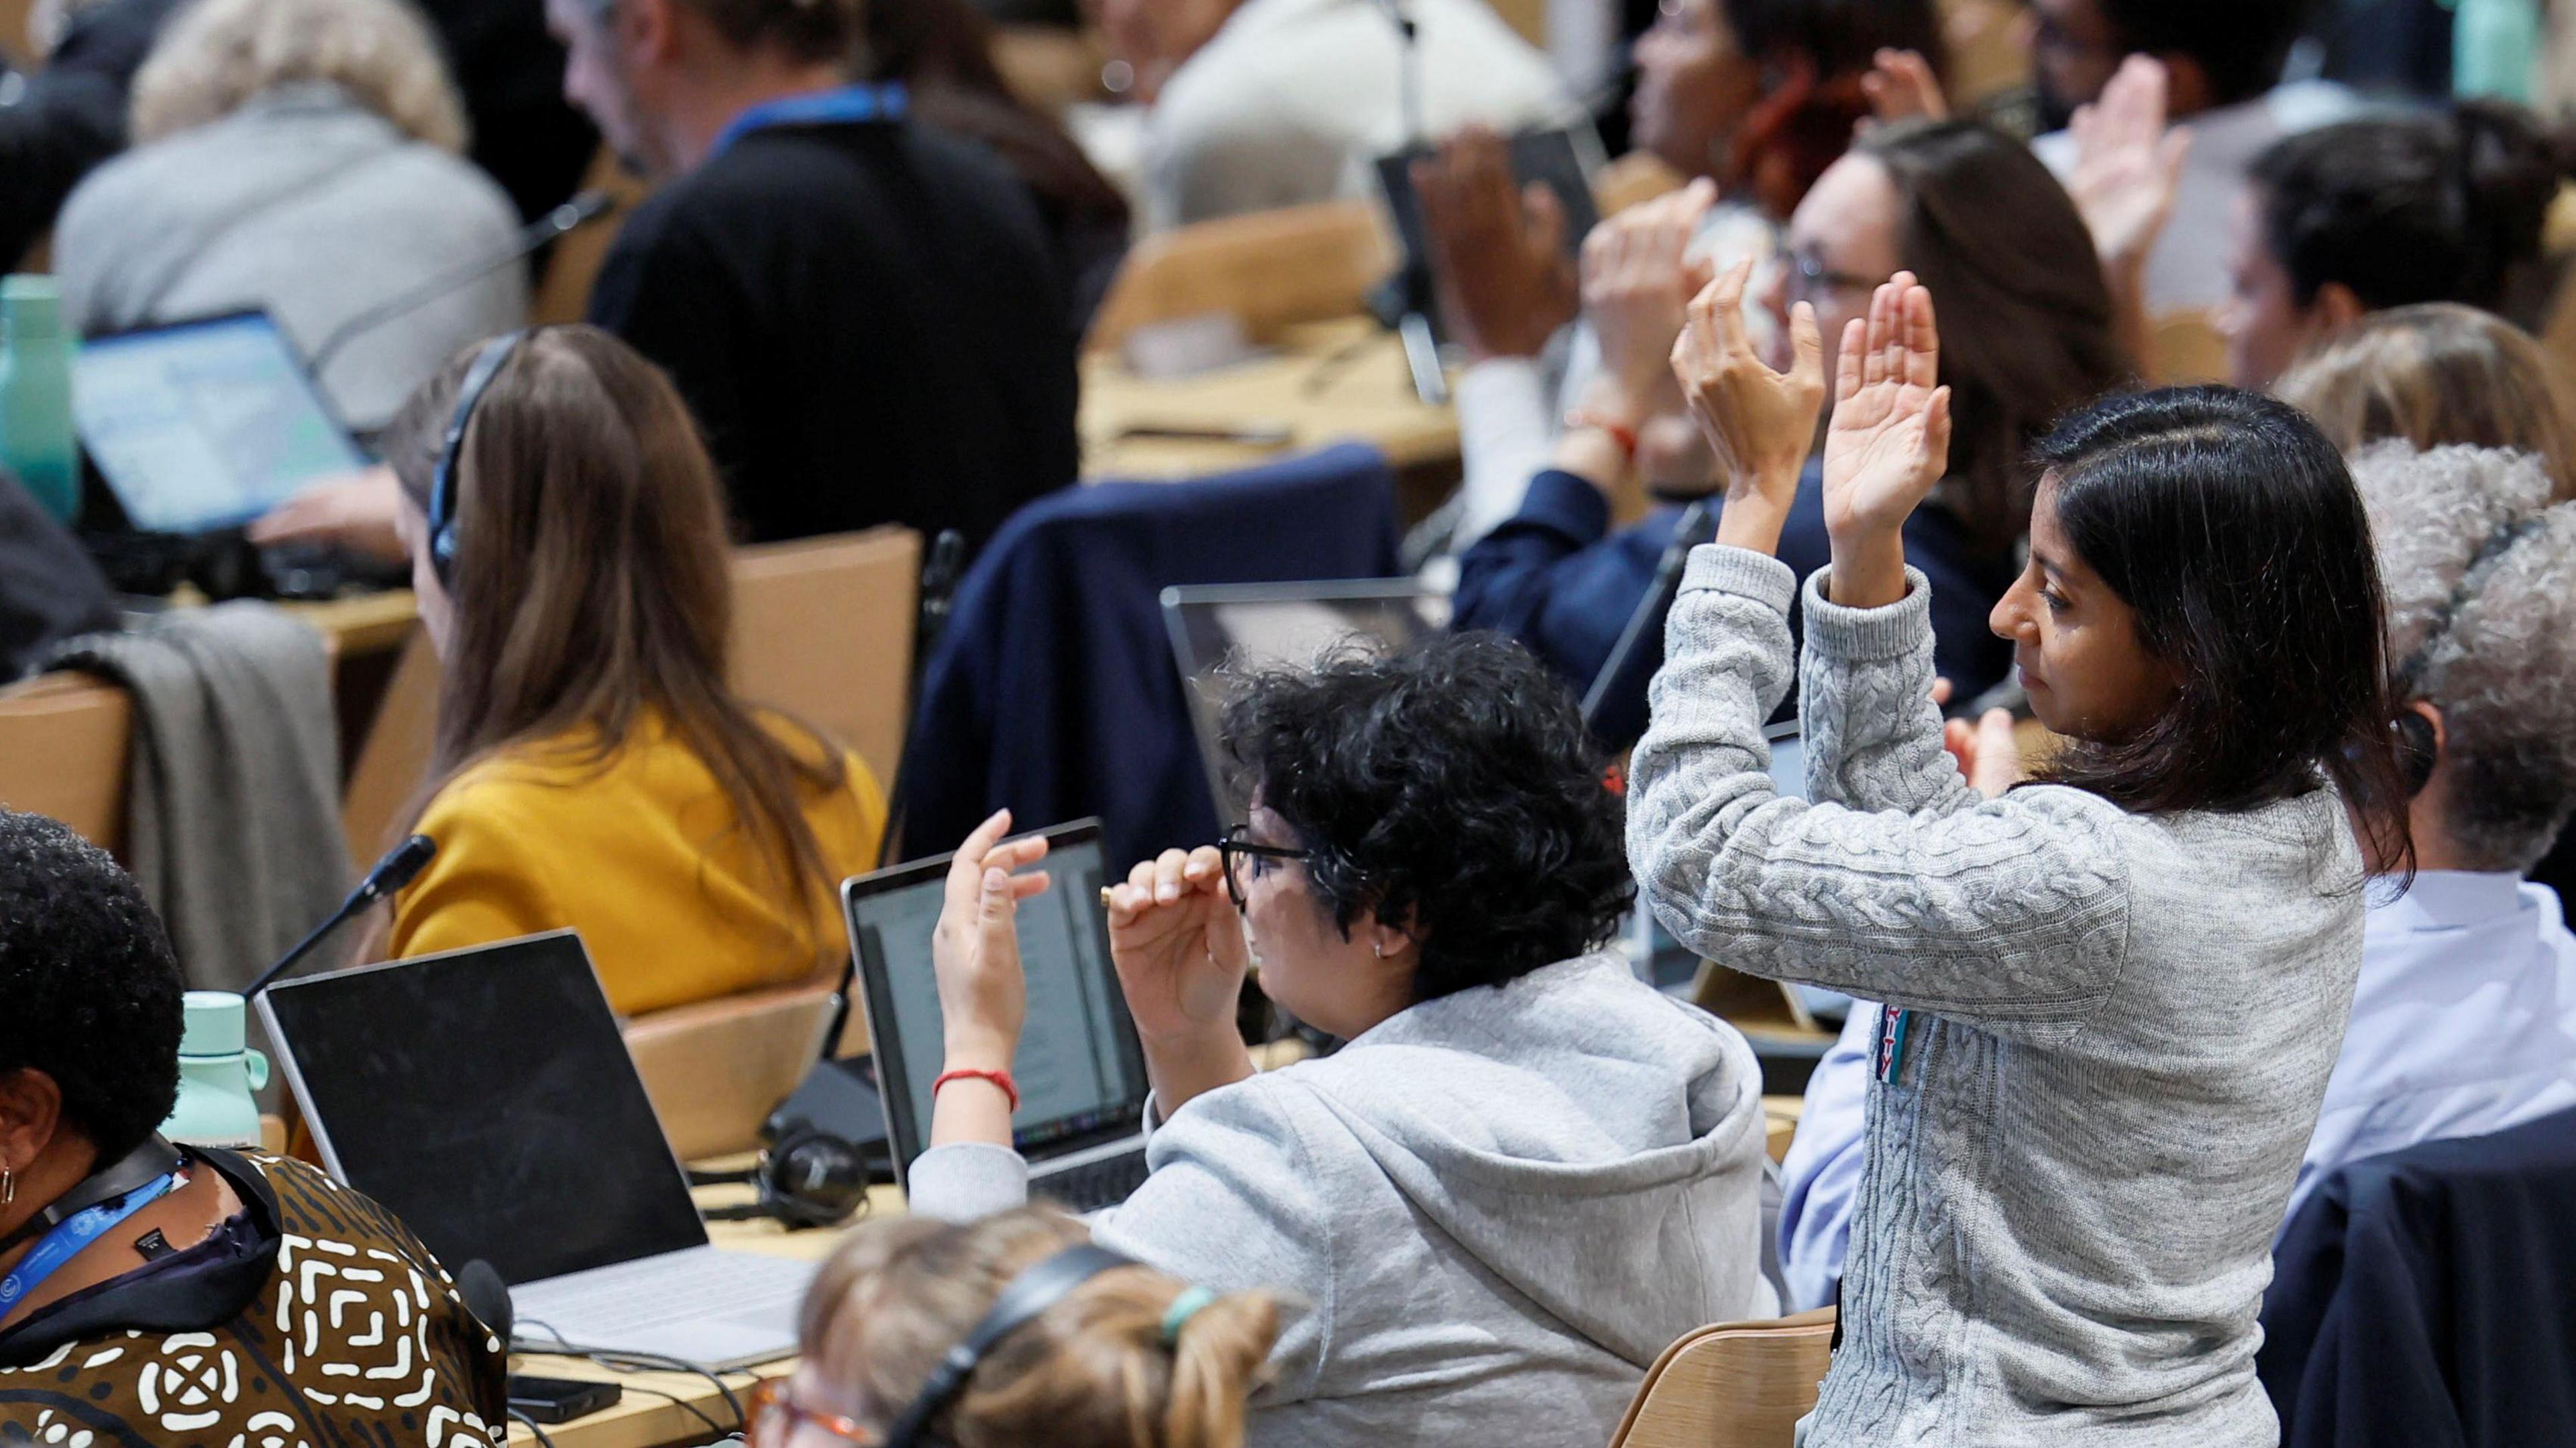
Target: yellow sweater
641, 854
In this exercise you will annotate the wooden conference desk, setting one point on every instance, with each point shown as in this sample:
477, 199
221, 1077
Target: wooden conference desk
1331, 382
644, 1420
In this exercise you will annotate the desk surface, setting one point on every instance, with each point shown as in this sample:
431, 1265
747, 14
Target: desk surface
1332, 382
647, 1419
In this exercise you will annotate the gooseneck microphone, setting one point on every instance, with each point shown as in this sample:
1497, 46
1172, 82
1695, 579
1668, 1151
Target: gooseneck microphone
1623, 675
581, 209
395, 870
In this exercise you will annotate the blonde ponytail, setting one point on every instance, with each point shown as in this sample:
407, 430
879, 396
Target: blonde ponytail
1217, 1360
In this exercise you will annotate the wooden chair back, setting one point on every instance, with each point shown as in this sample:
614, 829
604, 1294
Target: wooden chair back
2186, 347
64, 741
392, 763
823, 629
1269, 270
1731, 1385
716, 1069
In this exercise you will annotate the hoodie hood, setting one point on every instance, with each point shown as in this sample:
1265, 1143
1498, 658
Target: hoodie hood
1591, 1141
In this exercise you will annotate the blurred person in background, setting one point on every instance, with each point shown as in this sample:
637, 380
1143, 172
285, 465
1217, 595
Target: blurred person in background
942, 51
1957, 202
2428, 206
302, 157
1756, 98
1259, 104
866, 315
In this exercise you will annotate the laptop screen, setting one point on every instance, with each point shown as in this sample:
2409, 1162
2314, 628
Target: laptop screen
1243, 627
204, 425
1079, 1069
486, 1098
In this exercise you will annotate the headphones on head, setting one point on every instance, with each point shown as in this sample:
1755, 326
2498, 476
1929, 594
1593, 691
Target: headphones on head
1029, 1294
2418, 751
487, 365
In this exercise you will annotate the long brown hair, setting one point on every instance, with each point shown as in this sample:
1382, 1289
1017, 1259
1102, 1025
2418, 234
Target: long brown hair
592, 581
1096, 1370
2435, 374
2025, 316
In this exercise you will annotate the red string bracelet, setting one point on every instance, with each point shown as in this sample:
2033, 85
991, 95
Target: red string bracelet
1010, 1088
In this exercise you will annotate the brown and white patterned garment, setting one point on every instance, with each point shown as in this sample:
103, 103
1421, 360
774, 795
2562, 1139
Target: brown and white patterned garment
312, 1320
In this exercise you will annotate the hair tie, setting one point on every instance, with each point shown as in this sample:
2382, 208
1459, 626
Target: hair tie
1183, 1308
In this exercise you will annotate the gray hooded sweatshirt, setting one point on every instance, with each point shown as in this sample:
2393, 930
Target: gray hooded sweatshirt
1497, 1208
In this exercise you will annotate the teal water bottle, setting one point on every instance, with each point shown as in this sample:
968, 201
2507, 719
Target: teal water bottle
2494, 45
36, 393
217, 1074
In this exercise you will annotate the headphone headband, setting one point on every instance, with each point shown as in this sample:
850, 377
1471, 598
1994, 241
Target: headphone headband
487, 365
1029, 1294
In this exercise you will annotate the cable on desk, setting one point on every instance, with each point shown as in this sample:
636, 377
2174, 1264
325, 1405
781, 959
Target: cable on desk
530, 1424
622, 1360
681, 1403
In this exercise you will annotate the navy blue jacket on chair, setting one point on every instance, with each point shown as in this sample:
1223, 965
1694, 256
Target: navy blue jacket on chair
1054, 691
1556, 578
2427, 1298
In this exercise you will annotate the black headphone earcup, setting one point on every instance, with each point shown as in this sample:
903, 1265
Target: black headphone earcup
2417, 750
811, 1178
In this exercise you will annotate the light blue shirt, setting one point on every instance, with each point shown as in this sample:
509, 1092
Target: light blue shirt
2464, 1023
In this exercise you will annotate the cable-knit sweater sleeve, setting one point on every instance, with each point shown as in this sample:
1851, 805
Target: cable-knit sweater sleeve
2010, 915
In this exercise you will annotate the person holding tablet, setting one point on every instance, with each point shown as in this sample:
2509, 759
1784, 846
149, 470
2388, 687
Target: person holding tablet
2114, 995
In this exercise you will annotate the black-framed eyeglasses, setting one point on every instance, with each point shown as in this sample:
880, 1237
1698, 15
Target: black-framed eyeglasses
1238, 846
1810, 278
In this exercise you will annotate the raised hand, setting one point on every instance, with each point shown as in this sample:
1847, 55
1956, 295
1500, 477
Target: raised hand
1635, 285
2128, 165
1889, 441
1759, 423
1988, 752
1178, 944
1901, 87
1498, 260
975, 950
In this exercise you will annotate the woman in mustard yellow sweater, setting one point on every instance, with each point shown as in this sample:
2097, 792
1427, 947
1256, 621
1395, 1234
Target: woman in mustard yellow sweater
568, 545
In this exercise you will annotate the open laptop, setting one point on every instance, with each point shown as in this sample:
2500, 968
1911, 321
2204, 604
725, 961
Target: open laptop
1217, 628
204, 425
485, 1097
1080, 1071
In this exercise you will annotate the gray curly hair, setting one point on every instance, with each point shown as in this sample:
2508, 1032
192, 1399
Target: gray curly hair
2498, 656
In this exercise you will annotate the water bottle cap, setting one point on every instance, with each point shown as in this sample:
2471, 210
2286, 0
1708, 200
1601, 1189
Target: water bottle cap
30, 302
217, 1022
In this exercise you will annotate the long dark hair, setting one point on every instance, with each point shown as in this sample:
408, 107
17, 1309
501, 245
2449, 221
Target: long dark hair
2434, 206
593, 581
2025, 317
942, 50
2232, 529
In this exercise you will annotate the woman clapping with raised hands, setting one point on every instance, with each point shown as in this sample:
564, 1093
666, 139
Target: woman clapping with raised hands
2114, 994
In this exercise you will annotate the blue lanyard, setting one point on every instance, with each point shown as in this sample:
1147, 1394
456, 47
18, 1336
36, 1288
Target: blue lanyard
841, 105
72, 1234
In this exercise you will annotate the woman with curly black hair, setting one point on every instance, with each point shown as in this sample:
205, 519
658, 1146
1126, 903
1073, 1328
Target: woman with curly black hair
1526, 1174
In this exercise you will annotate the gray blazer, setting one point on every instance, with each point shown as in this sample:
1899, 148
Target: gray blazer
306, 204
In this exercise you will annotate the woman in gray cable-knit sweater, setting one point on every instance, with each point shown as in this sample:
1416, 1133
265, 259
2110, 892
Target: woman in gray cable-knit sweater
2115, 995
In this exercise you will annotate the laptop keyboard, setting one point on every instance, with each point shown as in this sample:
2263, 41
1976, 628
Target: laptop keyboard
611, 1304
1095, 1184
